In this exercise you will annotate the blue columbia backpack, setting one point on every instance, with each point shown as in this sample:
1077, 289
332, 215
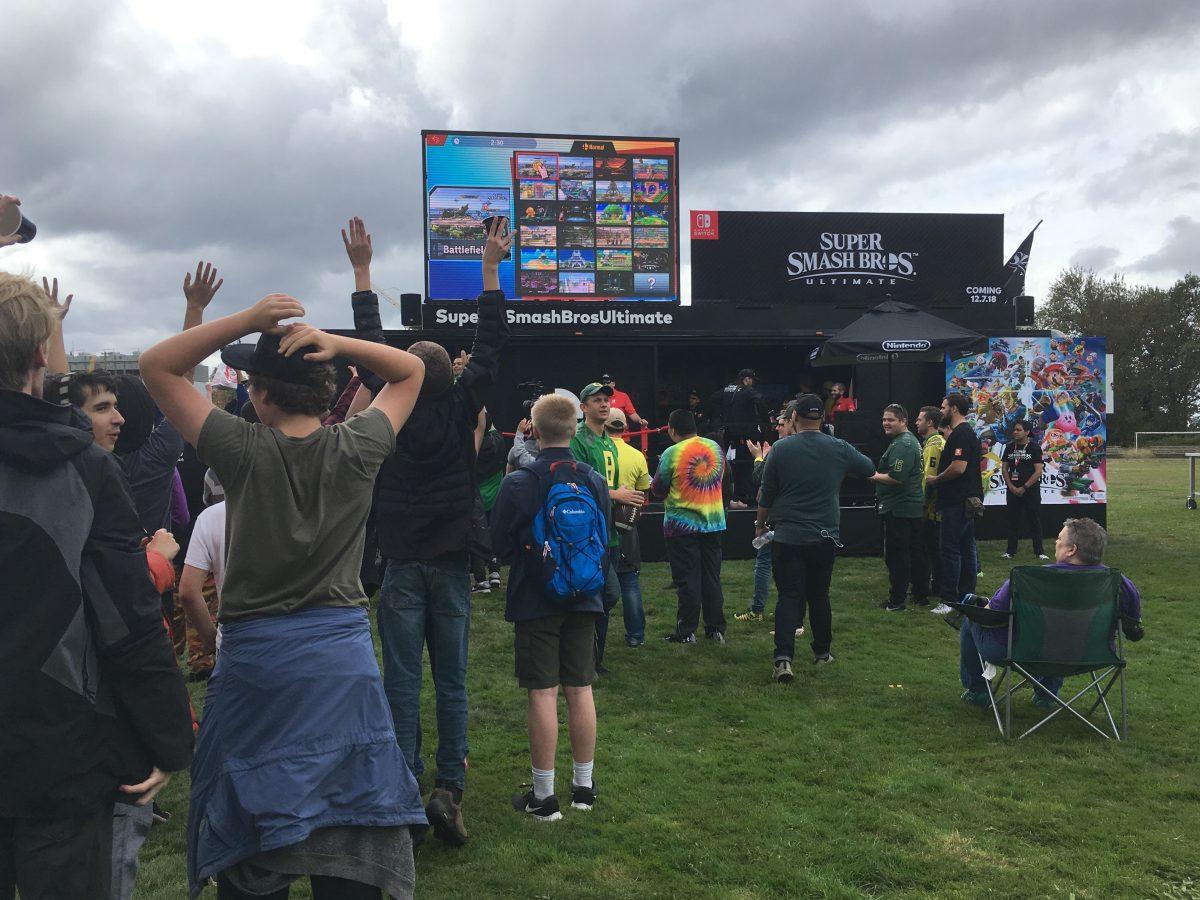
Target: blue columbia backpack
570, 533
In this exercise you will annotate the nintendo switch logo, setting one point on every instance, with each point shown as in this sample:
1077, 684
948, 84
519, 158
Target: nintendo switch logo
704, 225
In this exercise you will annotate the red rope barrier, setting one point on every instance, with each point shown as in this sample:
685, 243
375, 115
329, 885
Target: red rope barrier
628, 434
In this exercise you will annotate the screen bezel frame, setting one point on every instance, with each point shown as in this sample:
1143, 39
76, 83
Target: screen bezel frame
677, 217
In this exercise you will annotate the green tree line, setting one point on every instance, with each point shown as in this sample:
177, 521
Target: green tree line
1154, 336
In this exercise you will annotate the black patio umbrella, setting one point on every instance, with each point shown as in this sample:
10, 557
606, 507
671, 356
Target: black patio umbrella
895, 332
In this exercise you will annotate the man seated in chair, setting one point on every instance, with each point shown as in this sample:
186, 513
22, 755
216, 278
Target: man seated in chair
1079, 544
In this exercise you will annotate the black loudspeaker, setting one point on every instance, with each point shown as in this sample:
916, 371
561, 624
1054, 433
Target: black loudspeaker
1024, 311
410, 310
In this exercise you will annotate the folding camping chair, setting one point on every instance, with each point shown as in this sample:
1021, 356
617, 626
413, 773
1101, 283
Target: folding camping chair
1060, 623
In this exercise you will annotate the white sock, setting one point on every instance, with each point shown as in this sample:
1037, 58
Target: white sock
543, 783
582, 775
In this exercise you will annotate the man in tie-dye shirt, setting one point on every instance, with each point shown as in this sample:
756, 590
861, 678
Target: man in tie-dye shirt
689, 479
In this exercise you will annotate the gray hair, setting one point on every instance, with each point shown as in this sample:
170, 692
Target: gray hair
1089, 539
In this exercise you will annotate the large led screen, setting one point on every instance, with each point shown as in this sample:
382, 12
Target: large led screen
592, 218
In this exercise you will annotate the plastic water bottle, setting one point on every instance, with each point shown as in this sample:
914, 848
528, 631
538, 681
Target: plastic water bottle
763, 539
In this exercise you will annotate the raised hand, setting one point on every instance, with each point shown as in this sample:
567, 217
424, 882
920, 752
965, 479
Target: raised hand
60, 309
496, 246
358, 244
267, 313
199, 292
300, 334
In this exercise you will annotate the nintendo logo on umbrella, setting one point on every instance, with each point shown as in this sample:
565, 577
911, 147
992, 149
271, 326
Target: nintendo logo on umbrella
906, 346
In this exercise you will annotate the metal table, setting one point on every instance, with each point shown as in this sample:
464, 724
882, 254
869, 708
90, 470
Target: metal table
1191, 500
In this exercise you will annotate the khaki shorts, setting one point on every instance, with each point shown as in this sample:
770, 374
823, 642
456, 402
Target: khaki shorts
556, 650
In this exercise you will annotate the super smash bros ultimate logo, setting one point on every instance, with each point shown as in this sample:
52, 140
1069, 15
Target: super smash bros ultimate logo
851, 259
560, 317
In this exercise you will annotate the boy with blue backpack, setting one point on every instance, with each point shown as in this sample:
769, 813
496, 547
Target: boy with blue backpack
550, 523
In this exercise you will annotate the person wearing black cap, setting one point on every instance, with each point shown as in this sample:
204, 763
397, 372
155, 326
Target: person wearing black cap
801, 481
296, 696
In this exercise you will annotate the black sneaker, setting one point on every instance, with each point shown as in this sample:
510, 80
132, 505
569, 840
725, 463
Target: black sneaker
445, 816
674, 638
601, 669
583, 797
544, 810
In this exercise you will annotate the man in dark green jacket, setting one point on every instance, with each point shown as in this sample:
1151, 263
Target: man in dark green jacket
900, 495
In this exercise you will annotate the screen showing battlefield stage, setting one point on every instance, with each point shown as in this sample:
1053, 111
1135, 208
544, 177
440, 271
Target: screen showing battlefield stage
591, 218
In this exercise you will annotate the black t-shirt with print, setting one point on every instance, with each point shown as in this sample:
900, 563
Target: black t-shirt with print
1022, 460
961, 446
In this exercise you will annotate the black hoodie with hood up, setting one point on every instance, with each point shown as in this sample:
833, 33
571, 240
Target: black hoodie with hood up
90, 694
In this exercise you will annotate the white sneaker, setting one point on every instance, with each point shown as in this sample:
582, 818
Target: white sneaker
1042, 556
1008, 556
941, 609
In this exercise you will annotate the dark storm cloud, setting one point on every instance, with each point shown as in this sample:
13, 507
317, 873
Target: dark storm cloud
136, 161
141, 165
1180, 252
1166, 164
1098, 259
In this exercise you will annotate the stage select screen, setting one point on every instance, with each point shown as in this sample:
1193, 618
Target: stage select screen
592, 218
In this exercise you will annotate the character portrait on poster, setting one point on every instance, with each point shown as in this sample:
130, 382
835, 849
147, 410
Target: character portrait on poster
1058, 386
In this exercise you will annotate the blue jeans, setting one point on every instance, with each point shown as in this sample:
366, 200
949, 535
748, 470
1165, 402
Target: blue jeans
430, 603
992, 644
631, 602
131, 826
762, 578
960, 559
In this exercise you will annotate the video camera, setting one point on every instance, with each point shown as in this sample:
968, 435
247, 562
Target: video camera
532, 390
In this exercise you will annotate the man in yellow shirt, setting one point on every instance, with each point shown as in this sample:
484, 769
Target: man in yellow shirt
633, 473
929, 421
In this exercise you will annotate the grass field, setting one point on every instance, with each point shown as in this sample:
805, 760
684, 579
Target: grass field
867, 778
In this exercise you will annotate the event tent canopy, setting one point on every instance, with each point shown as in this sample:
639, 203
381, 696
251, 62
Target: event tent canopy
895, 332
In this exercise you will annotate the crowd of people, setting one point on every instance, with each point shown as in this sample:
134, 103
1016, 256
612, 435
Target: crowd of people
307, 759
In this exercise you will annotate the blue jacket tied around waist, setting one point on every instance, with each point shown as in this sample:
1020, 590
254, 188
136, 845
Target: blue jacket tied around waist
296, 736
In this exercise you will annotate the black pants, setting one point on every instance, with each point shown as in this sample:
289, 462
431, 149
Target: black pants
933, 555
904, 554
696, 569
479, 544
802, 576
49, 859
324, 887
1028, 507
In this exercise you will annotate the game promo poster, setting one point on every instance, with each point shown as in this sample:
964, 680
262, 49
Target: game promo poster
1057, 385
593, 218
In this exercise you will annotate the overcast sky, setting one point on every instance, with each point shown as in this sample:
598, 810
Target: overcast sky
142, 137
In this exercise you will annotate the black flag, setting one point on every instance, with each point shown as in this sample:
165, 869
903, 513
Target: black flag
1013, 277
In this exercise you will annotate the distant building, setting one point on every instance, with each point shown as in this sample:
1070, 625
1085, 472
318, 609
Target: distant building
108, 360
121, 364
